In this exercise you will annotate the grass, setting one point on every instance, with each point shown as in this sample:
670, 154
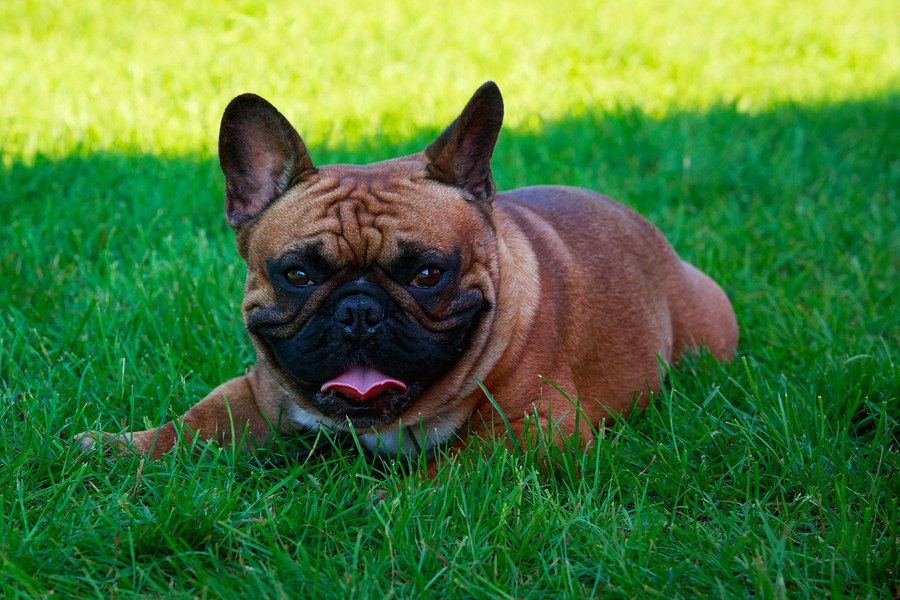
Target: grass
762, 138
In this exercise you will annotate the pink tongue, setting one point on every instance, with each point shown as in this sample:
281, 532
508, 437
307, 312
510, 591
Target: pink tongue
363, 383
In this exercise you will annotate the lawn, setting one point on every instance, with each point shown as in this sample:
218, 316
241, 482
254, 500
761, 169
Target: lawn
763, 138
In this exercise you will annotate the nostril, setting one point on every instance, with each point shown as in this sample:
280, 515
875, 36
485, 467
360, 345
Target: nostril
374, 315
343, 313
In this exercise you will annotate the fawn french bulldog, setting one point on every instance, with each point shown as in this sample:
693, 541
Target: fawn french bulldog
377, 295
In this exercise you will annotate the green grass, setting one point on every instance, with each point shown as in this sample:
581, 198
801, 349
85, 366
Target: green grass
762, 138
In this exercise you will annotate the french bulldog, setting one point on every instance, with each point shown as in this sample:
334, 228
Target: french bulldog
379, 297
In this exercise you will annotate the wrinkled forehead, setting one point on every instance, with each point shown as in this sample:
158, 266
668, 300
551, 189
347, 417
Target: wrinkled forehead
354, 217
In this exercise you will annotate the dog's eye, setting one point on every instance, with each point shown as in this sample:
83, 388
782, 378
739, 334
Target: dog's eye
427, 277
297, 277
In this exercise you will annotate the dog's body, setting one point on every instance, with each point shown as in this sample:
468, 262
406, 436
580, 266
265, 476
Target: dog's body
378, 296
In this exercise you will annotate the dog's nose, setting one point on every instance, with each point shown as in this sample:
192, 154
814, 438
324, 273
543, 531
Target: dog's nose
359, 314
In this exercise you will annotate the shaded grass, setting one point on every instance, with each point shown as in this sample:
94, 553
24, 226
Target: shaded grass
762, 138
775, 476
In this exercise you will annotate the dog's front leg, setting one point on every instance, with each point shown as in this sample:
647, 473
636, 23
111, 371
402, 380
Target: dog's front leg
230, 415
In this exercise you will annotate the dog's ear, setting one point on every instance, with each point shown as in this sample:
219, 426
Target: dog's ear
261, 156
461, 155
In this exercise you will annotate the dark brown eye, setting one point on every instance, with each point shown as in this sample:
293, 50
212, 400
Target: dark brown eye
297, 277
427, 277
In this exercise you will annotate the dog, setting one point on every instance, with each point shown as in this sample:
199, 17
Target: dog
380, 297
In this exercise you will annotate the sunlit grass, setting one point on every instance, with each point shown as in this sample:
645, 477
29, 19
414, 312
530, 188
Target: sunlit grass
154, 76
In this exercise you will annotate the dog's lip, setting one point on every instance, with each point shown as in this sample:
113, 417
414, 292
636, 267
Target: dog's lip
363, 383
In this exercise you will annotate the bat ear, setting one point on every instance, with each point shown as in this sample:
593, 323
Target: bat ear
261, 156
461, 155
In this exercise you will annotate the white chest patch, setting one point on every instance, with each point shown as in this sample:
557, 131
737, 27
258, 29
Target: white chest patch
408, 441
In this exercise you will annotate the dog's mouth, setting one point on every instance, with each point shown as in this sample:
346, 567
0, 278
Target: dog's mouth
362, 395
362, 383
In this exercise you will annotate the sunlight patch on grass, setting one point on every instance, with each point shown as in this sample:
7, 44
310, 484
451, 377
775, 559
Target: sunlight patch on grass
154, 77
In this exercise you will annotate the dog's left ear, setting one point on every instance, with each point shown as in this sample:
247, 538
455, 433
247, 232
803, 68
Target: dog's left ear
461, 155
261, 156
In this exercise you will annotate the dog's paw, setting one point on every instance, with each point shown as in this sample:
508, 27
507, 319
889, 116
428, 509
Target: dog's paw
116, 445
87, 440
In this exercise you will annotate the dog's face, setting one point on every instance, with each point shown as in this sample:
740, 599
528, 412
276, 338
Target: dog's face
362, 293
370, 289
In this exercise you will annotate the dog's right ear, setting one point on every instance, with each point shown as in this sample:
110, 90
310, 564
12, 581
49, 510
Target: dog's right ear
261, 156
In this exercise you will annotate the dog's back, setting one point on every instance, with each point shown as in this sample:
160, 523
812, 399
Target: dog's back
628, 297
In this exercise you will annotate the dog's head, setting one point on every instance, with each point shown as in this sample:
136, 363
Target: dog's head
370, 289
